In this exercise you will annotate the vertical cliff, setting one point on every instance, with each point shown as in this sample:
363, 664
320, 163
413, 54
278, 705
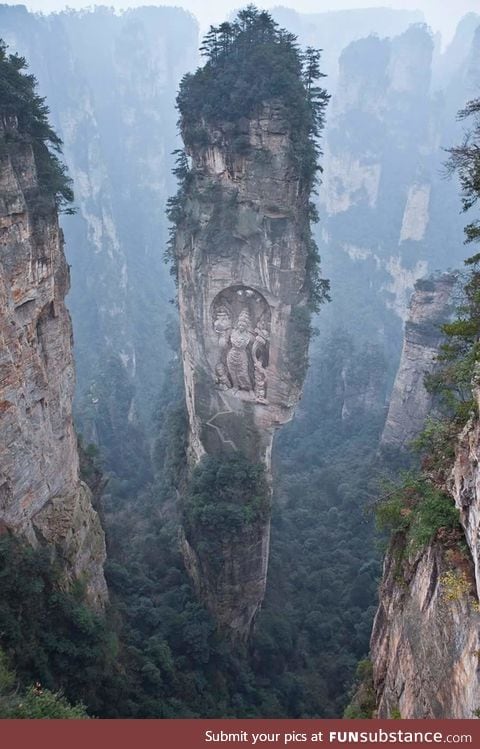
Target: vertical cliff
246, 274
410, 402
113, 107
390, 218
425, 640
425, 643
41, 496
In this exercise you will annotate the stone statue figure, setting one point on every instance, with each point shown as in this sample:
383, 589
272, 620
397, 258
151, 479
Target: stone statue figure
222, 326
260, 383
241, 321
258, 350
237, 357
222, 380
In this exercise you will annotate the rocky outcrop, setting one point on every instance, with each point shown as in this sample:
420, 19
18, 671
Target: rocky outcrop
425, 643
114, 109
410, 402
41, 496
464, 483
242, 258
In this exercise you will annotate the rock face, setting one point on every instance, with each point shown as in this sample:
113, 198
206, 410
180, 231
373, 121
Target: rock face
242, 269
410, 402
424, 644
464, 485
425, 641
41, 495
114, 110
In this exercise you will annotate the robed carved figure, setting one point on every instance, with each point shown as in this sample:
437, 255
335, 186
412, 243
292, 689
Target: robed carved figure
241, 320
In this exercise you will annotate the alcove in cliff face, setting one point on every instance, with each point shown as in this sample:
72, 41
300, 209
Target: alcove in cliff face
248, 279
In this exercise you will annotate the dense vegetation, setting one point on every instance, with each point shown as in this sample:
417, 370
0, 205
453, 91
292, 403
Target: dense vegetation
460, 354
159, 654
417, 510
51, 639
25, 117
251, 63
225, 495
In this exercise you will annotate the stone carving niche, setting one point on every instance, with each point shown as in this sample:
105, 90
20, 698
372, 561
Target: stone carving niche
241, 321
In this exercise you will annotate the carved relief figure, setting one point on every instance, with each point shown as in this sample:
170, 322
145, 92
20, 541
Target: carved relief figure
222, 325
241, 321
237, 357
222, 379
260, 383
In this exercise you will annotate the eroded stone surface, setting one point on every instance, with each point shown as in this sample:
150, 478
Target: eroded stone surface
464, 483
242, 255
425, 647
410, 402
41, 496
425, 641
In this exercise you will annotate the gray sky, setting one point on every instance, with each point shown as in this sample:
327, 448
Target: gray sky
442, 15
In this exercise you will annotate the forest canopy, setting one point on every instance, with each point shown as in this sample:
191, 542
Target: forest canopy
20, 101
249, 62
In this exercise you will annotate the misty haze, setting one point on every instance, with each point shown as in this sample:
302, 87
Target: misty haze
239, 361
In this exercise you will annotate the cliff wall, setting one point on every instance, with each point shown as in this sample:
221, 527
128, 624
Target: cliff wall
425, 640
41, 496
113, 107
242, 259
410, 403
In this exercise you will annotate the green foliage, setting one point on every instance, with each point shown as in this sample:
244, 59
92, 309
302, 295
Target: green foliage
300, 332
38, 703
459, 355
452, 379
417, 509
50, 635
106, 407
465, 160
364, 702
251, 63
225, 495
436, 444
35, 702
23, 108
7, 677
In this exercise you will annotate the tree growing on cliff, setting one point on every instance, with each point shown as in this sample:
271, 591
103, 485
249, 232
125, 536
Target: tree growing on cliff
252, 62
460, 353
249, 62
24, 116
465, 161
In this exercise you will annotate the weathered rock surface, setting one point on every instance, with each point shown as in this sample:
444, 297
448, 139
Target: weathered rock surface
114, 110
464, 484
410, 402
425, 647
242, 267
425, 641
41, 495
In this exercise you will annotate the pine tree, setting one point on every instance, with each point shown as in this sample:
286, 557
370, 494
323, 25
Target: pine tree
465, 161
19, 100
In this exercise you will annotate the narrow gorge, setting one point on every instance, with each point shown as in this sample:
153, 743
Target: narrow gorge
201, 534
